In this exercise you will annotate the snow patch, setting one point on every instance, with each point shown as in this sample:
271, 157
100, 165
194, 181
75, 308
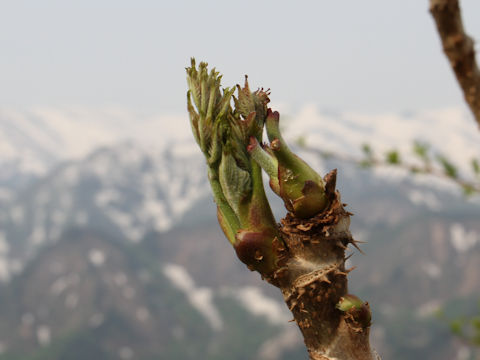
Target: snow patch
425, 198
17, 215
125, 353
201, 298
96, 257
106, 197
464, 353
43, 335
3, 347
257, 303
59, 285
429, 308
461, 239
38, 235
274, 348
6, 195
432, 270
96, 320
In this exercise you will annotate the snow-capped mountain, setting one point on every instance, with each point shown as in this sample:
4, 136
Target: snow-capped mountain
135, 194
125, 190
130, 175
33, 142
451, 132
36, 140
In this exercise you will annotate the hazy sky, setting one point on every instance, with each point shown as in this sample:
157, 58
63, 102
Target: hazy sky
371, 56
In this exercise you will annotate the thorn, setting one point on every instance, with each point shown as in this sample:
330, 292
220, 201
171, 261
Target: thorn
354, 243
359, 241
340, 245
301, 291
351, 269
325, 279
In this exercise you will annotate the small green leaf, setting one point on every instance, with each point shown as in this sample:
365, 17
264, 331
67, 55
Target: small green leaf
367, 150
476, 323
393, 157
439, 314
421, 150
366, 164
368, 153
348, 302
476, 166
449, 169
456, 327
468, 190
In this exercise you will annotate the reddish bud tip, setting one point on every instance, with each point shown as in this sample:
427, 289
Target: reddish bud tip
252, 144
273, 115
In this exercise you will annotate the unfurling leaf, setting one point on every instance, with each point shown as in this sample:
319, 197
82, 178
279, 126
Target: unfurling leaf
236, 183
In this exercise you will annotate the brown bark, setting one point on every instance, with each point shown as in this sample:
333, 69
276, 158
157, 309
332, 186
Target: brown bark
459, 49
312, 277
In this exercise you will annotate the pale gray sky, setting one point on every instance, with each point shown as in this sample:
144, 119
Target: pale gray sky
371, 56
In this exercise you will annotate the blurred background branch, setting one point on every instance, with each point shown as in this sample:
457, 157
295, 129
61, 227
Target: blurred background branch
428, 163
459, 49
